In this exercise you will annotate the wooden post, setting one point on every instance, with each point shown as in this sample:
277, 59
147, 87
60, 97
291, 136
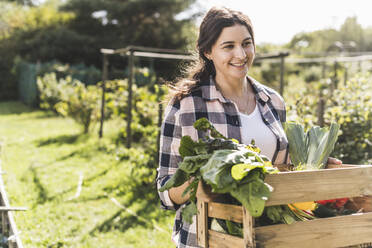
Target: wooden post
4, 223
160, 117
323, 69
334, 81
345, 74
202, 223
104, 78
321, 107
248, 231
130, 93
281, 74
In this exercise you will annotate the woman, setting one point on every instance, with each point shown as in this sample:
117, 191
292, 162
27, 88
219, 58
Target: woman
219, 89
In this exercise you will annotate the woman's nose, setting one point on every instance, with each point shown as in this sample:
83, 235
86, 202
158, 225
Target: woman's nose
240, 53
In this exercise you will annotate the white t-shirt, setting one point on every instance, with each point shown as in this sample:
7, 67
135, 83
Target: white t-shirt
253, 127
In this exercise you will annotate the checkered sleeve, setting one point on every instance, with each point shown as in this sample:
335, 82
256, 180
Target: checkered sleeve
169, 156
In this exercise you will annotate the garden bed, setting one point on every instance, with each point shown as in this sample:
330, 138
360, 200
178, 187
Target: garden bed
291, 187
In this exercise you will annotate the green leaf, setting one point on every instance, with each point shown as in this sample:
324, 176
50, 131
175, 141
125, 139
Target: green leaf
177, 179
310, 150
321, 145
192, 188
234, 228
253, 196
217, 171
274, 213
239, 171
204, 125
297, 142
191, 164
187, 147
189, 211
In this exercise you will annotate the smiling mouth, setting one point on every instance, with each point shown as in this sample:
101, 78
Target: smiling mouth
238, 64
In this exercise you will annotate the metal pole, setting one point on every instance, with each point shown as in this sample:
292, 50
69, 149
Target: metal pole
129, 114
104, 78
281, 74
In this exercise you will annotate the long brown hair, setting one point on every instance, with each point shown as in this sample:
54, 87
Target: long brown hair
216, 19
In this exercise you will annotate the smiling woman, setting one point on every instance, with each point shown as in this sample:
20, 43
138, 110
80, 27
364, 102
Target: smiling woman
219, 89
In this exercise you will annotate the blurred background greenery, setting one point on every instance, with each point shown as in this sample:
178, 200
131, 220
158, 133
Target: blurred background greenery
50, 93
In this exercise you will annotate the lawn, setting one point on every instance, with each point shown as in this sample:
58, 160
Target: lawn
46, 159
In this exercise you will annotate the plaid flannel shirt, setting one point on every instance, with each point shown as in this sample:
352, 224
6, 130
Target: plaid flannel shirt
207, 101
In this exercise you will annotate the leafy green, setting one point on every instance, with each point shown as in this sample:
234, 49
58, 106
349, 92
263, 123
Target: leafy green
178, 178
253, 196
191, 164
186, 147
204, 125
189, 211
310, 149
212, 160
234, 228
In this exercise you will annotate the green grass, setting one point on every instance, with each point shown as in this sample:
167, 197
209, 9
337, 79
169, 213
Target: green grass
44, 156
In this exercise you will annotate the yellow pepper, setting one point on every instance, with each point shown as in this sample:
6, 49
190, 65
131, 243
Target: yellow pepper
303, 205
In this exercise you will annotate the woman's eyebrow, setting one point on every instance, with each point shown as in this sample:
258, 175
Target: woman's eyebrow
232, 42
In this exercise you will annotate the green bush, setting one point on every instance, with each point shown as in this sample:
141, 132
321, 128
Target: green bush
350, 106
69, 97
144, 111
80, 102
50, 90
352, 109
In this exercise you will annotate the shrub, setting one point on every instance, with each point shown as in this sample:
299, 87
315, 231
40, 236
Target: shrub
80, 102
50, 91
350, 106
352, 109
70, 97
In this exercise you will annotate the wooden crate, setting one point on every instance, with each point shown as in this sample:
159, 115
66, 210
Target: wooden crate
290, 187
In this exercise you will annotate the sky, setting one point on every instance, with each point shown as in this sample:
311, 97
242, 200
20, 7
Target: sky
277, 21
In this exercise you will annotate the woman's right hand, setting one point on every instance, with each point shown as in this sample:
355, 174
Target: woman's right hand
175, 194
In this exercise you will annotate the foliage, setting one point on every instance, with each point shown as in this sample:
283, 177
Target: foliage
35, 34
74, 33
70, 97
351, 106
50, 91
352, 111
310, 150
226, 166
144, 125
350, 37
86, 74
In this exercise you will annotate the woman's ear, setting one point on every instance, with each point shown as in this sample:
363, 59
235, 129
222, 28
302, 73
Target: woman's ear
207, 55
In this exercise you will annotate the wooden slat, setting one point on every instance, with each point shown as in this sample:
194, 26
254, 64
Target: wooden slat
300, 186
202, 223
248, 232
5, 209
225, 211
222, 240
328, 232
17, 243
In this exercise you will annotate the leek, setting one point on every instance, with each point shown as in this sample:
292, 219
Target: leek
310, 150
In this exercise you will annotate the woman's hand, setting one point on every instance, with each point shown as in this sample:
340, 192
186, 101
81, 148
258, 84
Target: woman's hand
334, 161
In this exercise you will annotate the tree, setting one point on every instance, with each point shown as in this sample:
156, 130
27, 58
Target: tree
351, 30
116, 24
74, 32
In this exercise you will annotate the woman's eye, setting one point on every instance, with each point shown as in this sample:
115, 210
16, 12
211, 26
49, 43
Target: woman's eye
228, 47
248, 43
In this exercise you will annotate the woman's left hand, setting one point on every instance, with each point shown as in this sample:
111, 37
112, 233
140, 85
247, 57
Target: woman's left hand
334, 161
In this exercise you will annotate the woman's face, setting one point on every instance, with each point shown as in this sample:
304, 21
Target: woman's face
233, 53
